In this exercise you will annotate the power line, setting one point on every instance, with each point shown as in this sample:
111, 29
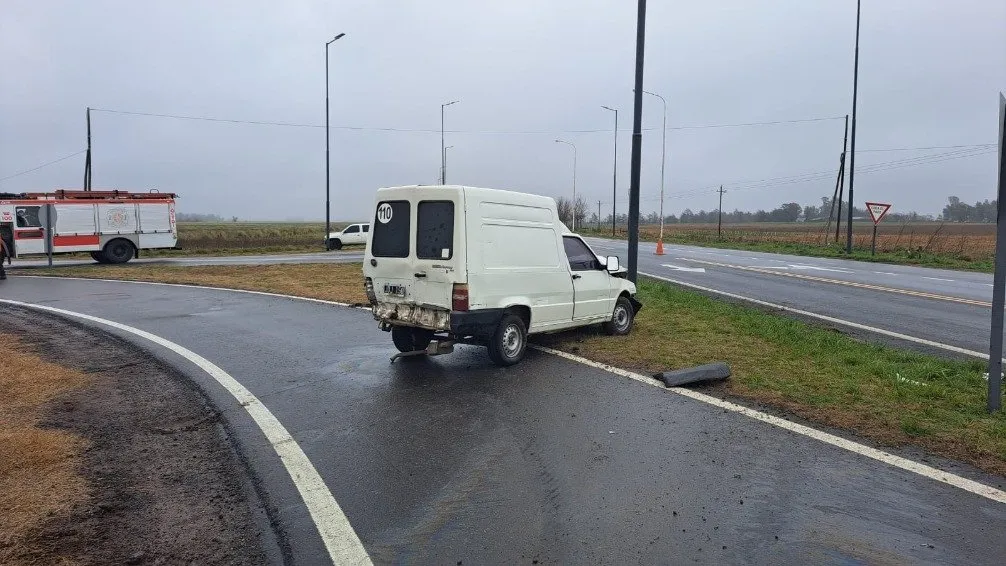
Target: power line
437, 131
925, 148
46, 164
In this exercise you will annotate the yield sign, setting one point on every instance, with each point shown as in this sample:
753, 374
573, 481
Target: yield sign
877, 211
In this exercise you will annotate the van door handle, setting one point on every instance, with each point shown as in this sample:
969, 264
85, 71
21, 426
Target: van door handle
576, 276
421, 274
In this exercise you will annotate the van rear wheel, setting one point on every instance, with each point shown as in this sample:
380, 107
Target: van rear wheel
408, 339
509, 343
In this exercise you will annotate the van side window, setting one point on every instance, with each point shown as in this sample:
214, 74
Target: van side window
27, 217
579, 255
352, 229
391, 229
435, 229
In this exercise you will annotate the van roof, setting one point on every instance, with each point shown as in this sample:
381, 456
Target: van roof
483, 192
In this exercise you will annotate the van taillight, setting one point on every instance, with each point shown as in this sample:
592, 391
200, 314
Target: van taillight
459, 297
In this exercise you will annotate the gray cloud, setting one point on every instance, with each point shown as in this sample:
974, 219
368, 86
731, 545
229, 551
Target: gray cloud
929, 76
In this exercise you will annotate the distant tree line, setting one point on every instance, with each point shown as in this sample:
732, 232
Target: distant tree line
954, 211
195, 217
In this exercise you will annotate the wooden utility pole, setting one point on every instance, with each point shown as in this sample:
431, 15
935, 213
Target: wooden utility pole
839, 187
719, 221
598, 216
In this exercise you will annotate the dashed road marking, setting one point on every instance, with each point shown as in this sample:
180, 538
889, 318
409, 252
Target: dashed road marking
341, 541
938, 279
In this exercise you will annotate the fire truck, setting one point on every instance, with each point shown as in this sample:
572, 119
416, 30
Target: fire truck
112, 225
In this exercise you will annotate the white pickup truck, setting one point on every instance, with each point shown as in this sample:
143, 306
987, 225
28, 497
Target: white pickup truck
484, 266
352, 234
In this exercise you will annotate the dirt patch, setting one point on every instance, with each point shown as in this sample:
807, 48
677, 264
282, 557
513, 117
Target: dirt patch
136, 467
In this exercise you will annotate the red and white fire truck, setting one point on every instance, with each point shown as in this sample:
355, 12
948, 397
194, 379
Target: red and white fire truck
112, 225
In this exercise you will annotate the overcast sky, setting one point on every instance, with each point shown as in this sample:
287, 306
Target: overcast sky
930, 74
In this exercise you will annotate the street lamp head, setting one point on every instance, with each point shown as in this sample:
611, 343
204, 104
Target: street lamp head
340, 36
608, 108
451, 102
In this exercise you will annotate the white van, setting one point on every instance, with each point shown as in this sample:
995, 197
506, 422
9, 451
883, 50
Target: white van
484, 266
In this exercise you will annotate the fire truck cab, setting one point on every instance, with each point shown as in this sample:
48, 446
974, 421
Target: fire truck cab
112, 225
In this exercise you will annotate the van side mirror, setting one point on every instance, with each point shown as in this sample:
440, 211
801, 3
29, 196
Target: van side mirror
611, 264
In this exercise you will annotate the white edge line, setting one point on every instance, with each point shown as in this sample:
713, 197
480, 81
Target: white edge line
938, 279
341, 541
879, 455
954, 480
827, 318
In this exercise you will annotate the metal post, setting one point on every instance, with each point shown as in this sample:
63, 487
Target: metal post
999, 278
574, 179
873, 244
852, 155
663, 157
598, 216
87, 160
443, 148
839, 184
614, 175
719, 219
637, 144
48, 232
328, 193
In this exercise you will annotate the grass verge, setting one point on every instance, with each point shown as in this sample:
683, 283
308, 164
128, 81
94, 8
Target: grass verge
39, 467
890, 396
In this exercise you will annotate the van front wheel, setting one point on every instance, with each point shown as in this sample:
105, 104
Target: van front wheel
408, 339
508, 344
621, 318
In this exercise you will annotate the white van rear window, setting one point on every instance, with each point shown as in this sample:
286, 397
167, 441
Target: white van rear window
391, 229
435, 229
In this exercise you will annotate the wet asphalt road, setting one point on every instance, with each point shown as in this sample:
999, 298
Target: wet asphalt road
893, 301
450, 459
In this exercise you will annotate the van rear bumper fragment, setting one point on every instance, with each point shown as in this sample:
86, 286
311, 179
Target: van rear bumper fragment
479, 323
412, 315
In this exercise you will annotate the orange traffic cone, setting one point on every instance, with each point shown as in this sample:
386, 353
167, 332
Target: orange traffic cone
660, 247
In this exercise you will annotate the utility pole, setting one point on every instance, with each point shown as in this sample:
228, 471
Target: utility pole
637, 144
87, 159
598, 216
839, 187
719, 220
852, 156
663, 157
574, 180
328, 192
443, 149
614, 175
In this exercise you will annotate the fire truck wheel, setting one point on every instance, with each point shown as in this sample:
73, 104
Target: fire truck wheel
99, 257
119, 251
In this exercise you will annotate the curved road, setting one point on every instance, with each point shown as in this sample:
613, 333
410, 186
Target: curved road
452, 460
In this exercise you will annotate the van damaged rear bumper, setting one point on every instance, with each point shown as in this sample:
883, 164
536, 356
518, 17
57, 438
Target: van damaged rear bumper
413, 315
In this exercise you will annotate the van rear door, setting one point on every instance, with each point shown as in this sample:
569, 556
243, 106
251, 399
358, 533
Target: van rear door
415, 253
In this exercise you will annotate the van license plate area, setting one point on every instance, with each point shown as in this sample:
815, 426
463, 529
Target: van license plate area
397, 290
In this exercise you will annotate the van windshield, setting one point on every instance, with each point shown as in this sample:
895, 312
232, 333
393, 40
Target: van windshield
391, 229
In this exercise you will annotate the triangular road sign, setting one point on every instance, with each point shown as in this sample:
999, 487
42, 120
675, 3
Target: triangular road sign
877, 210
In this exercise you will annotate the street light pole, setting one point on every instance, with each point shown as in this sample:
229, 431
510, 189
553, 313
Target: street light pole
663, 156
443, 149
852, 153
328, 195
574, 180
445, 154
614, 174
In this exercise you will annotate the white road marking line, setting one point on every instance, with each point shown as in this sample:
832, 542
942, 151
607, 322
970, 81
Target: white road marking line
938, 279
826, 318
688, 269
816, 268
930, 472
341, 541
884, 273
990, 284
897, 461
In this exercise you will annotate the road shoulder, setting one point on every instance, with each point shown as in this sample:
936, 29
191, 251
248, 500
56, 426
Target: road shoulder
164, 482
